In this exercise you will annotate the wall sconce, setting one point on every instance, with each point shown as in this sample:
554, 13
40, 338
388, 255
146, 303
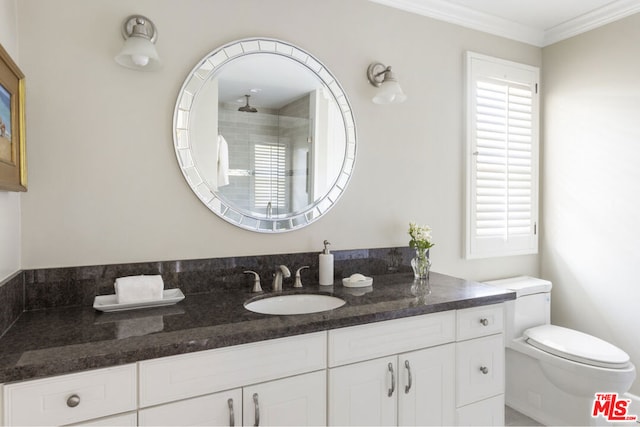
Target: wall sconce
139, 51
390, 91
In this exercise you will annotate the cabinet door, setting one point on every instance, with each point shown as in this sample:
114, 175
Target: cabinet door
426, 387
488, 412
220, 409
294, 401
364, 393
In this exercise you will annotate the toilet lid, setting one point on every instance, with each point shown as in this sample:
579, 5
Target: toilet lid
576, 346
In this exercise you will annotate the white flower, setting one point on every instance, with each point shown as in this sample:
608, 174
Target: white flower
420, 236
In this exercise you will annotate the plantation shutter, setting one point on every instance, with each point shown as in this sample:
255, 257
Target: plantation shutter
270, 177
502, 166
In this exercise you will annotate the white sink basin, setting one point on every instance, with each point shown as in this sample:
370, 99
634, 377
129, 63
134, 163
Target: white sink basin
294, 304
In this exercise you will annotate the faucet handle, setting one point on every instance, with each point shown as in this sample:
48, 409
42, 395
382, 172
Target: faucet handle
256, 281
298, 281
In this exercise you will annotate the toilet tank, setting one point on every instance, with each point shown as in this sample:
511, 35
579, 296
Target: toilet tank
532, 306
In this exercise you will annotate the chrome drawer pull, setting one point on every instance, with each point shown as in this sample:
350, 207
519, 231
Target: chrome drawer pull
73, 401
484, 322
408, 386
255, 402
393, 380
232, 418
484, 370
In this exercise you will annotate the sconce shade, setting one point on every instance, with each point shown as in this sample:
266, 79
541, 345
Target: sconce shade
390, 91
139, 51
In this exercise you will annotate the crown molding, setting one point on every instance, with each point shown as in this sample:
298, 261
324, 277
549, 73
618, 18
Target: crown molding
589, 21
469, 18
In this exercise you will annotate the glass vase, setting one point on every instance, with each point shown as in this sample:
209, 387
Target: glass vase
421, 264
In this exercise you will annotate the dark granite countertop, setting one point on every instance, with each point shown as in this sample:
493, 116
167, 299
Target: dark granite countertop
65, 340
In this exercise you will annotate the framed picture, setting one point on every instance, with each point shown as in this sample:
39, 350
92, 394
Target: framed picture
13, 155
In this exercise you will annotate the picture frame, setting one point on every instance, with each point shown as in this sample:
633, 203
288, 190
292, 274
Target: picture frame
13, 154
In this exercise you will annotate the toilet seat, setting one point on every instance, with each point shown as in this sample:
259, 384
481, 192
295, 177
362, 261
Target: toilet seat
576, 346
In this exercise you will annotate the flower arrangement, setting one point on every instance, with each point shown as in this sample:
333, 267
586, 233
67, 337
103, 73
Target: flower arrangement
420, 237
420, 241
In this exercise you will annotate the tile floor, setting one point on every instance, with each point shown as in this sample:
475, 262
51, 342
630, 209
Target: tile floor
515, 418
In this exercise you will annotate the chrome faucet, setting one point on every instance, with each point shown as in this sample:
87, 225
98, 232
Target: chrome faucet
281, 271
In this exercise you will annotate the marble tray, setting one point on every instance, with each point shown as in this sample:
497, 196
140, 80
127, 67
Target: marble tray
110, 302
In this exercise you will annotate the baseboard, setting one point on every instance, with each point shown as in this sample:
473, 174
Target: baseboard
634, 409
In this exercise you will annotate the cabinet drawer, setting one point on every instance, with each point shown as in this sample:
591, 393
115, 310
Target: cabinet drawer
45, 402
357, 343
195, 374
480, 321
219, 409
480, 369
130, 419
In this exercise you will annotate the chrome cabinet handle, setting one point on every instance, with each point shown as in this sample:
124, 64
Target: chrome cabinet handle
484, 322
393, 380
484, 370
232, 417
257, 406
73, 401
408, 386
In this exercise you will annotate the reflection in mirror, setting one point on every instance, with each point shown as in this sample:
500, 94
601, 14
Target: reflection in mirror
264, 135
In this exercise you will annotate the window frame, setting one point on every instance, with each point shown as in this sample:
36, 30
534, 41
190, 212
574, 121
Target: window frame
512, 74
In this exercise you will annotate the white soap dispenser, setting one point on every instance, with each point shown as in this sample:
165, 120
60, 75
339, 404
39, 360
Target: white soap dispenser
326, 266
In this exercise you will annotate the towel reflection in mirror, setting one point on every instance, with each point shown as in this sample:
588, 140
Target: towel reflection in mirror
223, 161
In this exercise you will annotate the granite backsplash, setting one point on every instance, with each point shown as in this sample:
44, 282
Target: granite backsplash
77, 286
11, 300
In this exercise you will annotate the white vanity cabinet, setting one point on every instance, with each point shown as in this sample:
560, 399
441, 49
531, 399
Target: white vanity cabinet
443, 368
406, 387
480, 366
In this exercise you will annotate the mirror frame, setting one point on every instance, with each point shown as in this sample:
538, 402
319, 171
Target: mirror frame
199, 75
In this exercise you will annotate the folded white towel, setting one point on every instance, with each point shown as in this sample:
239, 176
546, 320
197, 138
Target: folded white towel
223, 161
138, 288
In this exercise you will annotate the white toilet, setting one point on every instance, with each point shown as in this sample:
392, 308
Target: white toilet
553, 373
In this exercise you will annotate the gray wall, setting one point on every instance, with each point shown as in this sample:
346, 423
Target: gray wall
591, 240
105, 186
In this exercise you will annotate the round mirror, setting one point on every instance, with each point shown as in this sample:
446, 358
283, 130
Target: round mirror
264, 135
